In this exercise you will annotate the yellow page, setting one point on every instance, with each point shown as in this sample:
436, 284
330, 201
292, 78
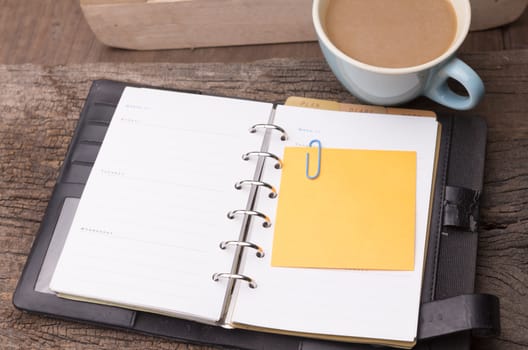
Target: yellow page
358, 214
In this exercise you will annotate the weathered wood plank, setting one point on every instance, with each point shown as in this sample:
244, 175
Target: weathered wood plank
516, 34
486, 40
53, 32
189, 24
39, 107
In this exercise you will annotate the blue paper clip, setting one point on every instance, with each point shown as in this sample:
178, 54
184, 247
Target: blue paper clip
319, 147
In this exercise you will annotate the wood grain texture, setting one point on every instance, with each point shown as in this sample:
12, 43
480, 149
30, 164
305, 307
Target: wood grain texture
493, 13
53, 32
516, 36
39, 107
189, 24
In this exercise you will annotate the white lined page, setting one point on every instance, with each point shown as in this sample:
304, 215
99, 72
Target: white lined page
153, 212
353, 303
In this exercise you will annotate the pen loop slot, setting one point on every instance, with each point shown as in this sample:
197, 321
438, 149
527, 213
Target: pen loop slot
248, 155
251, 282
273, 193
260, 251
233, 213
254, 128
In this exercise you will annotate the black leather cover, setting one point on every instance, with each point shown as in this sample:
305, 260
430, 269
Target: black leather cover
449, 271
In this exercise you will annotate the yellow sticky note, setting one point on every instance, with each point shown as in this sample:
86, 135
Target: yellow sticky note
358, 214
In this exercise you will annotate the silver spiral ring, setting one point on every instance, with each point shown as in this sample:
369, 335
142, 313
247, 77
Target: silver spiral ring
236, 276
273, 193
248, 155
254, 128
260, 251
233, 213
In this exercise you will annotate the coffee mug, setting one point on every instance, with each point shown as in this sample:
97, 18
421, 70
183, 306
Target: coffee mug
390, 86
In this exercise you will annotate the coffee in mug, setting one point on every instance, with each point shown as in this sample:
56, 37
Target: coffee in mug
388, 52
392, 34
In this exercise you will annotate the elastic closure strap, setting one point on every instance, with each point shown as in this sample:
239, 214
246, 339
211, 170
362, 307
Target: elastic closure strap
461, 208
478, 313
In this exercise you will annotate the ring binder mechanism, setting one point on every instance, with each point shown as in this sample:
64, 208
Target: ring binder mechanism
248, 155
255, 127
241, 243
251, 282
273, 193
233, 276
233, 213
260, 251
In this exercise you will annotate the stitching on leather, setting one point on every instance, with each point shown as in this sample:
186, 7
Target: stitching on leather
447, 146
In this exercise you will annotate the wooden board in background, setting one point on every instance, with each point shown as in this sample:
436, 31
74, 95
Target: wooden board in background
174, 24
55, 32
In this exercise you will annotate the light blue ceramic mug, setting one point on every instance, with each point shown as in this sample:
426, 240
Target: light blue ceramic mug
390, 86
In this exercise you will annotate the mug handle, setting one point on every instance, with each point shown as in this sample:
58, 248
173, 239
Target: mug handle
439, 91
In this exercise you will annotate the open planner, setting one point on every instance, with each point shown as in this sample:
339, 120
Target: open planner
248, 225
247, 215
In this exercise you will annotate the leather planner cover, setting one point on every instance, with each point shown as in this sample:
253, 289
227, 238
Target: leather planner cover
450, 312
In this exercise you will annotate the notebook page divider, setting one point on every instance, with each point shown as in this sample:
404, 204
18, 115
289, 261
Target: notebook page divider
234, 276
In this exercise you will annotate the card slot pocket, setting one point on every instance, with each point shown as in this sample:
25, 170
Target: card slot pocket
77, 173
108, 91
85, 153
100, 113
92, 133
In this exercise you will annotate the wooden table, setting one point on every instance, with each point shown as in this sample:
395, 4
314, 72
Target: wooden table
53, 32
39, 107
40, 103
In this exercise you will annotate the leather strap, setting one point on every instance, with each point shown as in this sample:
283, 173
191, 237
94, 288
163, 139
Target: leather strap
461, 208
478, 313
